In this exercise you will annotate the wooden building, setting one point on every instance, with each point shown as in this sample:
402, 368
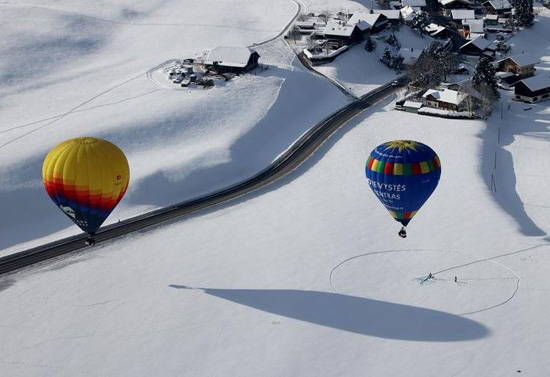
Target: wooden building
345, 34
446, 99
533, 89
500, 7
522, 66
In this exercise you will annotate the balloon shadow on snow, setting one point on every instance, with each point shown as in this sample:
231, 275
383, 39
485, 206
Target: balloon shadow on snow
498, 164
356, 314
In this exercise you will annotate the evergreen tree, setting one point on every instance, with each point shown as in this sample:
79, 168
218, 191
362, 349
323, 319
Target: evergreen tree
420, 20
484, 75
370, 46
524, 14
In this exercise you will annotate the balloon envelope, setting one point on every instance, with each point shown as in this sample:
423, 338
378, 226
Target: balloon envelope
403, 174
86, 178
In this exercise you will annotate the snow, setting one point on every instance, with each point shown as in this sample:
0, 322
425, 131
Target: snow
463, 14
179, 144
308, 276
305, 277
446, 95
348, 69
364, 17
537, 82
337, 29
226, 55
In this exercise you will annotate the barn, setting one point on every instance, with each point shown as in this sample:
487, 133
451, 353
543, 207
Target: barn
224, 59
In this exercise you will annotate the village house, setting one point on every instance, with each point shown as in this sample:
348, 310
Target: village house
533, 89
522, 66
491, 19
407, 14
473, 29
438, 31
409, 55
414, 4
446, 99
479, 46
223, 59
392, 15
368, 22
500, 7
460, 15
344, 34
454, 4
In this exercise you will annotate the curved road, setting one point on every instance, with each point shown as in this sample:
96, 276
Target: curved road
288, 161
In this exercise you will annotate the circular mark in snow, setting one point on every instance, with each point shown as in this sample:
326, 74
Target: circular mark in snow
401, 276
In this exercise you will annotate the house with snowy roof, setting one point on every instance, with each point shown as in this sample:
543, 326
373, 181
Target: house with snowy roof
459, 15
345, 34
438, 31
407, 14
415, 4
409, 55
454, 4
368, 22
500, 7
533, 89
473, 28
224, 59
522, 66
392, 15
479, 46
446, 99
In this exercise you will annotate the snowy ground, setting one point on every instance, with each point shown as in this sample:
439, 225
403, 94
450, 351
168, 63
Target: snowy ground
179, 144
350, 69
267, 270
306, 277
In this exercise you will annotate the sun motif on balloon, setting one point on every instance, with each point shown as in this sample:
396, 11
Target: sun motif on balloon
402, 144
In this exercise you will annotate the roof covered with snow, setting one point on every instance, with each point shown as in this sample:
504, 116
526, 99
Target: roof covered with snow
335, 28
476, 26
229, 56
448, 2
479, 42
407, 12
523, 59
499, 4
410, 56
414, 3
391, 14
414, 105
446, 95
363, 20
463, 14
537, 82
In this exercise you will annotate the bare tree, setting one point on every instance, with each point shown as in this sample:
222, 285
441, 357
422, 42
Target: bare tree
488, 97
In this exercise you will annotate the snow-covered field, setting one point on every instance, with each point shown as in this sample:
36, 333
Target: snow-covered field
306, 277
83, 72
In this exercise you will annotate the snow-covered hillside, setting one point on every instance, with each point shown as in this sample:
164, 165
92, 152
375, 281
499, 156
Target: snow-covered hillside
83, 72
306, 277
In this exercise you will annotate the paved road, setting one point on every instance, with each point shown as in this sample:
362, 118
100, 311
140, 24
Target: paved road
292, 158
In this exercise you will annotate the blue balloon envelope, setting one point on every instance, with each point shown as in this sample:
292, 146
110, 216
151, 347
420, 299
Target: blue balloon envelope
403, 174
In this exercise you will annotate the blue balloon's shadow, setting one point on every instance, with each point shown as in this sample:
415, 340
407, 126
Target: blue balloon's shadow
357, 315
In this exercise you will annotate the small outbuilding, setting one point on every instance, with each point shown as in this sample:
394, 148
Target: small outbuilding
534, 89
412, 107
224, 59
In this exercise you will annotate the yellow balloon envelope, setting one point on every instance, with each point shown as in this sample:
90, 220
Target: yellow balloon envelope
86, 178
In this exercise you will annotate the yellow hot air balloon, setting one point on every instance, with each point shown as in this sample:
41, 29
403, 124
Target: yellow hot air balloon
86, 178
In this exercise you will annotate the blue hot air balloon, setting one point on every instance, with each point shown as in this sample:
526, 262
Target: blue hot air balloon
403, 174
